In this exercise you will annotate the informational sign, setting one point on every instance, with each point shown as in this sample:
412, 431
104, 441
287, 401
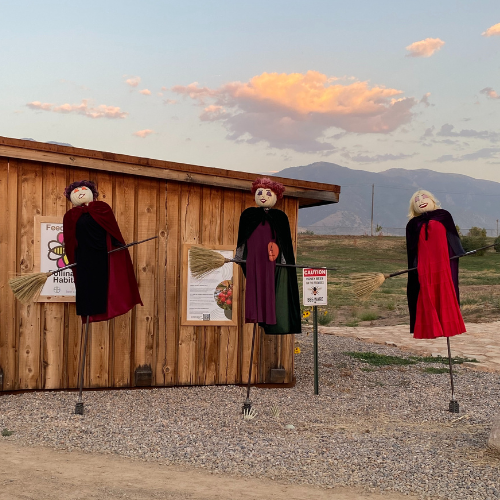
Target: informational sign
314, 287
50, 255
212, 299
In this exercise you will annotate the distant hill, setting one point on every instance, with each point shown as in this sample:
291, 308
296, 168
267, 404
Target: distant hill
48, 142
472, 202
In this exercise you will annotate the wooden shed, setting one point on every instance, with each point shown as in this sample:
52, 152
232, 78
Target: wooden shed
182, 204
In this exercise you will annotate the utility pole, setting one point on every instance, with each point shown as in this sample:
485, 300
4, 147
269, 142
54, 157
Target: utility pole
373, 194
497, 227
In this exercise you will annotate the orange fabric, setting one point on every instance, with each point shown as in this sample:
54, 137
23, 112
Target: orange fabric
438, 312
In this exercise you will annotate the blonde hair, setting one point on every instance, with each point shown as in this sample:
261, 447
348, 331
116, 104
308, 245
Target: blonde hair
411, 210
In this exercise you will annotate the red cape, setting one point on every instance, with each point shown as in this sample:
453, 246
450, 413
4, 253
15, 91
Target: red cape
438, 312
123, 292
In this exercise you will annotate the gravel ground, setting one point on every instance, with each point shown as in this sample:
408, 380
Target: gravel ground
381, 428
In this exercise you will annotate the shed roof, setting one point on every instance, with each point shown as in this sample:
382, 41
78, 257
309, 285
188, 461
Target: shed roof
308, 193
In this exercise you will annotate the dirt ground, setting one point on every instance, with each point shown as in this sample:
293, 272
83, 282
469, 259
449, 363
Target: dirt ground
43, 473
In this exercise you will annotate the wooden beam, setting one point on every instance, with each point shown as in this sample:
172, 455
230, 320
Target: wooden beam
307, 196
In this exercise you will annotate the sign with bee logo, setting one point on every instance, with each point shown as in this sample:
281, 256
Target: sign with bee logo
314, 287
50, 255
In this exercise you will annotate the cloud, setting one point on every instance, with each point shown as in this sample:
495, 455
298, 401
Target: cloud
429, 132
492, 30
295, 110
424, 48
376, 158
482, 154
101, 111
425, 100
133, 81
143, 133
145, 92
489, 92
212, 113
447, 131
169, 101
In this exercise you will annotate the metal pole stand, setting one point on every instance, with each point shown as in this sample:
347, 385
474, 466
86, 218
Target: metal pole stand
79, 404
315, 345
454, 406
247, 405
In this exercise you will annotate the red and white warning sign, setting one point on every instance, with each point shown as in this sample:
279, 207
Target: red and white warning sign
314, 287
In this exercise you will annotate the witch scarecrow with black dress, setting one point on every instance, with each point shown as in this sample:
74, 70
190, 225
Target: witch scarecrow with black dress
105, 282
271, 292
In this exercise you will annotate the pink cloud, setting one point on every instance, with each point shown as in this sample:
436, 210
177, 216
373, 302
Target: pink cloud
133, 81
424, 48
169, 101
489, 92
143, 133
492, 30
101, 111
145, 92
212, 113
295, 110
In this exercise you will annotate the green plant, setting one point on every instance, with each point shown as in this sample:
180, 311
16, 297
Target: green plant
380, 359
324, 318
497, 244
368, 316
354, 322
390, 306
6, 433
476, 238
432, 369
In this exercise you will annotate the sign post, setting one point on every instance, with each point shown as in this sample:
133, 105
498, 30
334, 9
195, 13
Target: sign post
315, 294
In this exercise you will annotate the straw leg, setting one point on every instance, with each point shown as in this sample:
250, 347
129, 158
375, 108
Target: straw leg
454, 406
247, 405
79, 404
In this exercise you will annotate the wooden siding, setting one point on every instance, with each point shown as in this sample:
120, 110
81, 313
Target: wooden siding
40, 342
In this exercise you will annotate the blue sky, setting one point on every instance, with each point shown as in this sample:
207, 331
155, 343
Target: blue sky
259, 86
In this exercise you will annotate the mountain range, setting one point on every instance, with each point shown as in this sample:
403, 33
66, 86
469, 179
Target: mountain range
472, 202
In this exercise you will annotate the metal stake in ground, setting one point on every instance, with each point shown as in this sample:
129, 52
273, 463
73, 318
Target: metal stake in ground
315, 344
454, 406
79, 404
247, 405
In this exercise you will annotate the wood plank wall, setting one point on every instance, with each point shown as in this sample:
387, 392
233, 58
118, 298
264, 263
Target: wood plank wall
40, 343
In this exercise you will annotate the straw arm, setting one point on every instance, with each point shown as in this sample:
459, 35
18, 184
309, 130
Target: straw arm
451, 258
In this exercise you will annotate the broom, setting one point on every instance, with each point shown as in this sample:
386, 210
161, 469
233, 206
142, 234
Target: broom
364, 284
203, 261
27, 287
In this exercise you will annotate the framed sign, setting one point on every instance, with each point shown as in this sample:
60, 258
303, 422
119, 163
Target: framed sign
50, 255
213, 299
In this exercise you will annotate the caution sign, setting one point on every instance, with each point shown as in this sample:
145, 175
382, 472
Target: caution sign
315, 287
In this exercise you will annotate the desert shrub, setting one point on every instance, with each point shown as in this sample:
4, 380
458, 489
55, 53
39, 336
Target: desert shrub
497, 244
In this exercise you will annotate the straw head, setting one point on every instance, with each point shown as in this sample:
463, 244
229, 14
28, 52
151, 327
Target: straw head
364, 284
203, 261
27, 287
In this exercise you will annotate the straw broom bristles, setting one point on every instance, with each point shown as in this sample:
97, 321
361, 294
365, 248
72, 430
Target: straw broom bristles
27, 287
203, 261
364, 284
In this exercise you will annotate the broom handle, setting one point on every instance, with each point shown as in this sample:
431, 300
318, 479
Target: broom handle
111, 251
236, 261
451, 258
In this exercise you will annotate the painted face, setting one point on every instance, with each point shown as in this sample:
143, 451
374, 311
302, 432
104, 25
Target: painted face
265, 198
422, 203
81, 196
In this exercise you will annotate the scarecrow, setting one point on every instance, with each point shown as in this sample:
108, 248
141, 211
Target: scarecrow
433, 294
271, 294
105, 282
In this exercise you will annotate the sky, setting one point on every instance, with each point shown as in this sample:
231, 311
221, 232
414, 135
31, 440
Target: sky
259, 86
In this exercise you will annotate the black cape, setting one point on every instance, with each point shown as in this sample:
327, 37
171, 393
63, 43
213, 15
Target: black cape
413, 229
288, 318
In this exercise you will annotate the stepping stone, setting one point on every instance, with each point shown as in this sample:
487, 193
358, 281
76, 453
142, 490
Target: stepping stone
494, 439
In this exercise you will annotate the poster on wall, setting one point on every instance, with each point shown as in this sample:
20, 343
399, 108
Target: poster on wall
213, 299
50, 255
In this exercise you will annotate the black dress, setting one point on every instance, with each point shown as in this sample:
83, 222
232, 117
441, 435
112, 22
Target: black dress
92, 259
